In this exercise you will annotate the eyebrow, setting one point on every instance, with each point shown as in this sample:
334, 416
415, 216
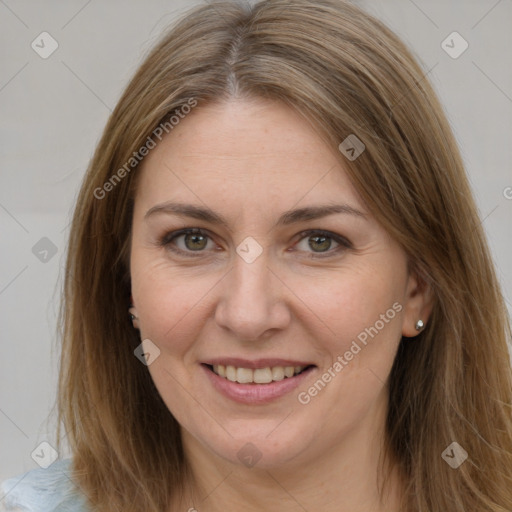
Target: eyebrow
287, 218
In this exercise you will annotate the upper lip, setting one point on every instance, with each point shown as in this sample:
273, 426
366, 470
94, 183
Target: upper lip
255, 363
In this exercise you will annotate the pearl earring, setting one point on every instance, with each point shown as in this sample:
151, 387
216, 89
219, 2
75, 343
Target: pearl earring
419, 325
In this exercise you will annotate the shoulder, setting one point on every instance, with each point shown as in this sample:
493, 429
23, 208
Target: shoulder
43, 490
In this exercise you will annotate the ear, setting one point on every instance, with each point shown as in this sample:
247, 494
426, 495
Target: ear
133, 314
419, 301
134, 317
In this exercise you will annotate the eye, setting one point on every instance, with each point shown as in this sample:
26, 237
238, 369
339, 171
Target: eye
187, 241
321, 242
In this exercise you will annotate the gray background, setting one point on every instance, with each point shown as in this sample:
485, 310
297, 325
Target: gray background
53, 111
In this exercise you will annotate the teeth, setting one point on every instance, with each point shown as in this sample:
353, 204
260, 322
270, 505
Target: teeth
277, 373
243, 375
258, 376
262, 375
231, 373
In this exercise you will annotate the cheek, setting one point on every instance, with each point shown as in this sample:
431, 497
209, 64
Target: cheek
346, 302
360, 313
170, 303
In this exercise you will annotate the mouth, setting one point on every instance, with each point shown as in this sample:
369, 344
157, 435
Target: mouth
264, 383
264, 375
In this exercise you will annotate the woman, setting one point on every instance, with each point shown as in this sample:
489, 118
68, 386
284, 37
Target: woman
278, 292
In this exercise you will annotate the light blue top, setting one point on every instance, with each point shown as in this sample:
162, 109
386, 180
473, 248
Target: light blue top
43, 490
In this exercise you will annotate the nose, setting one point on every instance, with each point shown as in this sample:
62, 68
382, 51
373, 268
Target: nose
252, 303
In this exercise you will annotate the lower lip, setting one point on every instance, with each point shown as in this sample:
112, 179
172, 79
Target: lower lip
255, 393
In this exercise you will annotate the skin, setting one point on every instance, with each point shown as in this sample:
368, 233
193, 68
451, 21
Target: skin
250, 161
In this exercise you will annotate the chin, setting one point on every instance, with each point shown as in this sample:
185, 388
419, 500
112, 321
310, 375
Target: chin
266, 448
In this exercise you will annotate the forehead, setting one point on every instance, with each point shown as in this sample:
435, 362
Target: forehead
250, 153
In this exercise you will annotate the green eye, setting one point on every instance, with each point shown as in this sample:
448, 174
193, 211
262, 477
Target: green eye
187, 241
320, 243
195, 241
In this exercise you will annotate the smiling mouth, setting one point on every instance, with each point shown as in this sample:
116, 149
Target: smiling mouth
265, 375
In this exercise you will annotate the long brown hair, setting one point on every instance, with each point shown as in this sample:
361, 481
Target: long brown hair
346, 73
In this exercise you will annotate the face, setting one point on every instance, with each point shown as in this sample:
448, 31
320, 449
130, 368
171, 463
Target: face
273, 301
